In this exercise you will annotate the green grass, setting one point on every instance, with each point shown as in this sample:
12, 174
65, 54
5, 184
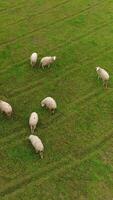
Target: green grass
78, 139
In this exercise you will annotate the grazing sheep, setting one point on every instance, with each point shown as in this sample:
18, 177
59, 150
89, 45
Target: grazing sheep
6, 108
103, 74
37, 144
33, 59
46, 61
33, 120
50, 103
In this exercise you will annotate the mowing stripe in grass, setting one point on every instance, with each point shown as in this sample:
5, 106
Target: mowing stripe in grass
42, 12
64, 18
47, 11
72, 41
62, 116
69, 163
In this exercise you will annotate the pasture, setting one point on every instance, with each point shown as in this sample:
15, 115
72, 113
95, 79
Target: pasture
78, 138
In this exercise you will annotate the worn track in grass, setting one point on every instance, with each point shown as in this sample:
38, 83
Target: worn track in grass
80, 133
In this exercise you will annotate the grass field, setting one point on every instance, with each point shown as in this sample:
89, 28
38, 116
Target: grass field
78, 138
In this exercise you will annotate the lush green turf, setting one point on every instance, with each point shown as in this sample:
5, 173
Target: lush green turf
78, 139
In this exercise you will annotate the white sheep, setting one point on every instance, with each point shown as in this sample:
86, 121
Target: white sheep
50, 103
33, 120
46, 61
37, 144
103, 74
6, 108
33, 59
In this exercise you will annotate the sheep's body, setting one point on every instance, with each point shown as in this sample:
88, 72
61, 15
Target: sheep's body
103, 74
46, 61
33, 59
33, 120
50, 103
6, 108
37, 144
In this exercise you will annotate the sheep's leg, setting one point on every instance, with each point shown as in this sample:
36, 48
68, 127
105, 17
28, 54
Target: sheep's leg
41, 154
52, 111
42, 66
32, 129
103, 83
32, 64
2, 112
36, 150
48, 65
8, 114
106, 84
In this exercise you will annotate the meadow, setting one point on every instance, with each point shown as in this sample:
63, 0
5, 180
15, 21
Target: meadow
78, 138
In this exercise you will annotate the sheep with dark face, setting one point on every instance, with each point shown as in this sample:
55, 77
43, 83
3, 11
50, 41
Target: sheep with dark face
37, 144
49, 103
33, 59
46, 61
5, 108
103, 74
33, 120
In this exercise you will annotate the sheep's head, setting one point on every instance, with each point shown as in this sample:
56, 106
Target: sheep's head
54, 58
42, 104
30, 137
97, 68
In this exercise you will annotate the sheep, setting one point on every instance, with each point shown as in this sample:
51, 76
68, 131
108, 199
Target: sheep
46, 61
6, 108
33, 59
50, 103
103, 74
37, 144
33, 120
